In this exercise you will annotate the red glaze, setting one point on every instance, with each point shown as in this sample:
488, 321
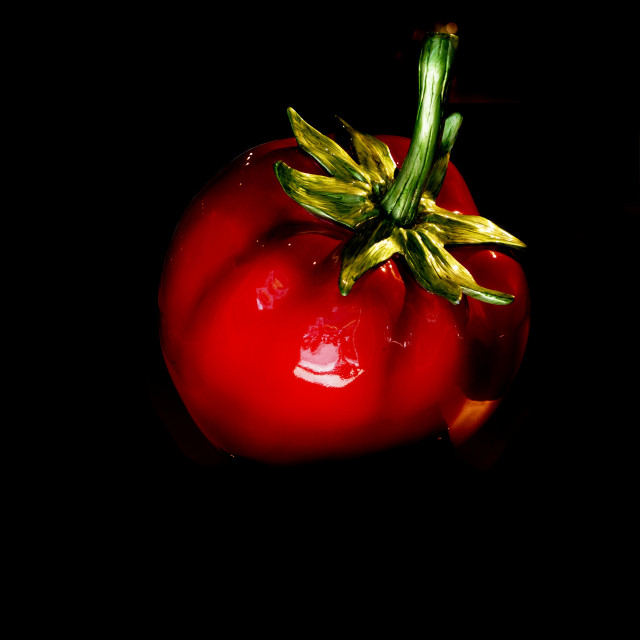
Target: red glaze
274, 364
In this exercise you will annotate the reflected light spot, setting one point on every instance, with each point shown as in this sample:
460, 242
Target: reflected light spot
272, 290
328, 355
449, 27
469, 418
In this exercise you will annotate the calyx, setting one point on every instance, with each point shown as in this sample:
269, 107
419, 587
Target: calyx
395, 213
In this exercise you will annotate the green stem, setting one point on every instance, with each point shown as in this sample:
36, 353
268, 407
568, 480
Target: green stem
402, 200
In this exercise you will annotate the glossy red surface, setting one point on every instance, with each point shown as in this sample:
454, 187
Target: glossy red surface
274, 364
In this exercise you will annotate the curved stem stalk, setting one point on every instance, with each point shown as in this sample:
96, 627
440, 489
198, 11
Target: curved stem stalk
402, 200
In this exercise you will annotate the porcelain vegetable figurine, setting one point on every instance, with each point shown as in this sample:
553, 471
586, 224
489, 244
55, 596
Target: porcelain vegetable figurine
324, 301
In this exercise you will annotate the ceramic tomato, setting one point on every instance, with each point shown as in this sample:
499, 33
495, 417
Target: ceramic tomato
324, 298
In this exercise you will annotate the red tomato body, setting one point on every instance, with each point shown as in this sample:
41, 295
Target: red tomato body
274, 364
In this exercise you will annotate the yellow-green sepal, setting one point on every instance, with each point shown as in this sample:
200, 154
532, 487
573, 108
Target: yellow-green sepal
441, 161
326, 151
372, 243
453, 228
374, 157
348, 195
433, 267
437, 271
347, 203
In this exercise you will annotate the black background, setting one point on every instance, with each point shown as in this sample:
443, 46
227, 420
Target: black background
117, 115
549, 148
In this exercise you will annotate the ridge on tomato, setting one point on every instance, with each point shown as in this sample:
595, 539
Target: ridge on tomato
321, 300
